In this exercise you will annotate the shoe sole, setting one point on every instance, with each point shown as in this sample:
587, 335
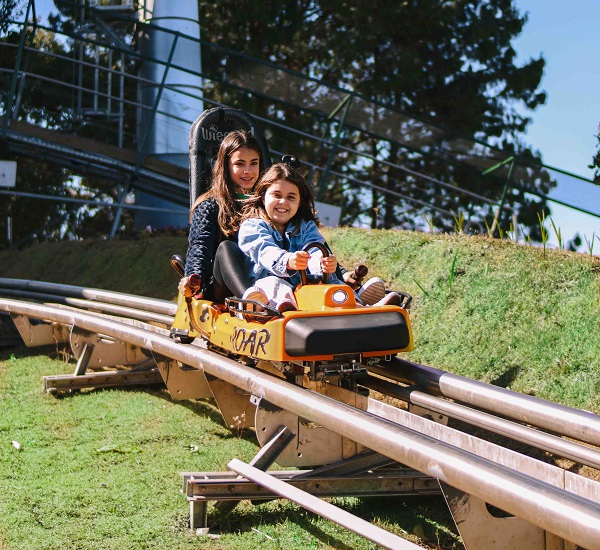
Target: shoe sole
259, 297
373, 293
287, 306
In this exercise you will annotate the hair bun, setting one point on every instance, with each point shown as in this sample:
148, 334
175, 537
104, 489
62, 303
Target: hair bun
292, 161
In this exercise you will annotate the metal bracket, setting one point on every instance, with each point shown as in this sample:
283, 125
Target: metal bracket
84, 359
314, 444
105, 352
426, 413
182, 381
40, 333
234, 404
480, 528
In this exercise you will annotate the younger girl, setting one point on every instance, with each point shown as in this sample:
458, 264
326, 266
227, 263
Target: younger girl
277, 222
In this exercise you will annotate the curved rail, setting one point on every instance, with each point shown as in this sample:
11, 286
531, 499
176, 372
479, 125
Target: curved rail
162, 307
473, 393
556, 510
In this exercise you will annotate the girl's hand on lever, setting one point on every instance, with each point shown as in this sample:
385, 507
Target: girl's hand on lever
329, 264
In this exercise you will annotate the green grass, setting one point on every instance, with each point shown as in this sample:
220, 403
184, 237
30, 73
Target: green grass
493, 310
101, 470
136, 267
512, 315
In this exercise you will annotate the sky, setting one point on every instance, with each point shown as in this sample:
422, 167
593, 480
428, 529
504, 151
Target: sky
564, 130
567, 34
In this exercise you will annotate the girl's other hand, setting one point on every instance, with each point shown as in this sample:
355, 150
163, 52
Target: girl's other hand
190, 286
329, 264
350, 279
298, 260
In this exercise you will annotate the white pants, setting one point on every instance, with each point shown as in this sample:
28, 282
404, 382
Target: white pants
277, 290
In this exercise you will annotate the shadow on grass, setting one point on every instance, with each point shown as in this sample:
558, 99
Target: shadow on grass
429, 514
507, 377
200, 407
304, 522
207, 407
245, 520
21, 351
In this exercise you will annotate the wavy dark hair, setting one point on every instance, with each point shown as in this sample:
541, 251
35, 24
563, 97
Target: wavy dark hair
221, 187
254, 207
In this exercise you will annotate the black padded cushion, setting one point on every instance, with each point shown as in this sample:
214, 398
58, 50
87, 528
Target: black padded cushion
346, 334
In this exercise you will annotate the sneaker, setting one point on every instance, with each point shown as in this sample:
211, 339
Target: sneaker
372, 291
390, 299
286, 305
258, 295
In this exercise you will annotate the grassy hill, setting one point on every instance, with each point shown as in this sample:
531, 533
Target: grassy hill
509, 314
100, 469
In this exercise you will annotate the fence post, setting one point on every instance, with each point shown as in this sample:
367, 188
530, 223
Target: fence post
13, 82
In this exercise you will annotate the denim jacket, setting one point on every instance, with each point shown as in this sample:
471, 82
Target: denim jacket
267, 252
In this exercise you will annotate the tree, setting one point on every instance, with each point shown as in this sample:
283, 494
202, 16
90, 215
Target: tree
428, 84
596, 161
450, 62
8, 10
35, 218
48, 106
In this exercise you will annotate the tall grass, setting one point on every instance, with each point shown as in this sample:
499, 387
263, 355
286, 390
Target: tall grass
543, 231
558, 234
430, 223
459, 222
590, 243
452, 270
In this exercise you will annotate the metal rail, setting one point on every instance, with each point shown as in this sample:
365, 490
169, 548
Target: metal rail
530, 436
556, 510
578, 424
121, 311
325, 509
582, 422
98, 296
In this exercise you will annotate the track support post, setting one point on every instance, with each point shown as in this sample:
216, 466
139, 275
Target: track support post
84, 359
262, 461
199, 516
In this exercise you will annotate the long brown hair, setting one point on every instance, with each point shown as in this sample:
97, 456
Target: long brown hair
254, 207
221, 187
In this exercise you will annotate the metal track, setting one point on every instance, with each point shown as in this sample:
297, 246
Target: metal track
577, 424
559, 502
95, 298
582, 454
